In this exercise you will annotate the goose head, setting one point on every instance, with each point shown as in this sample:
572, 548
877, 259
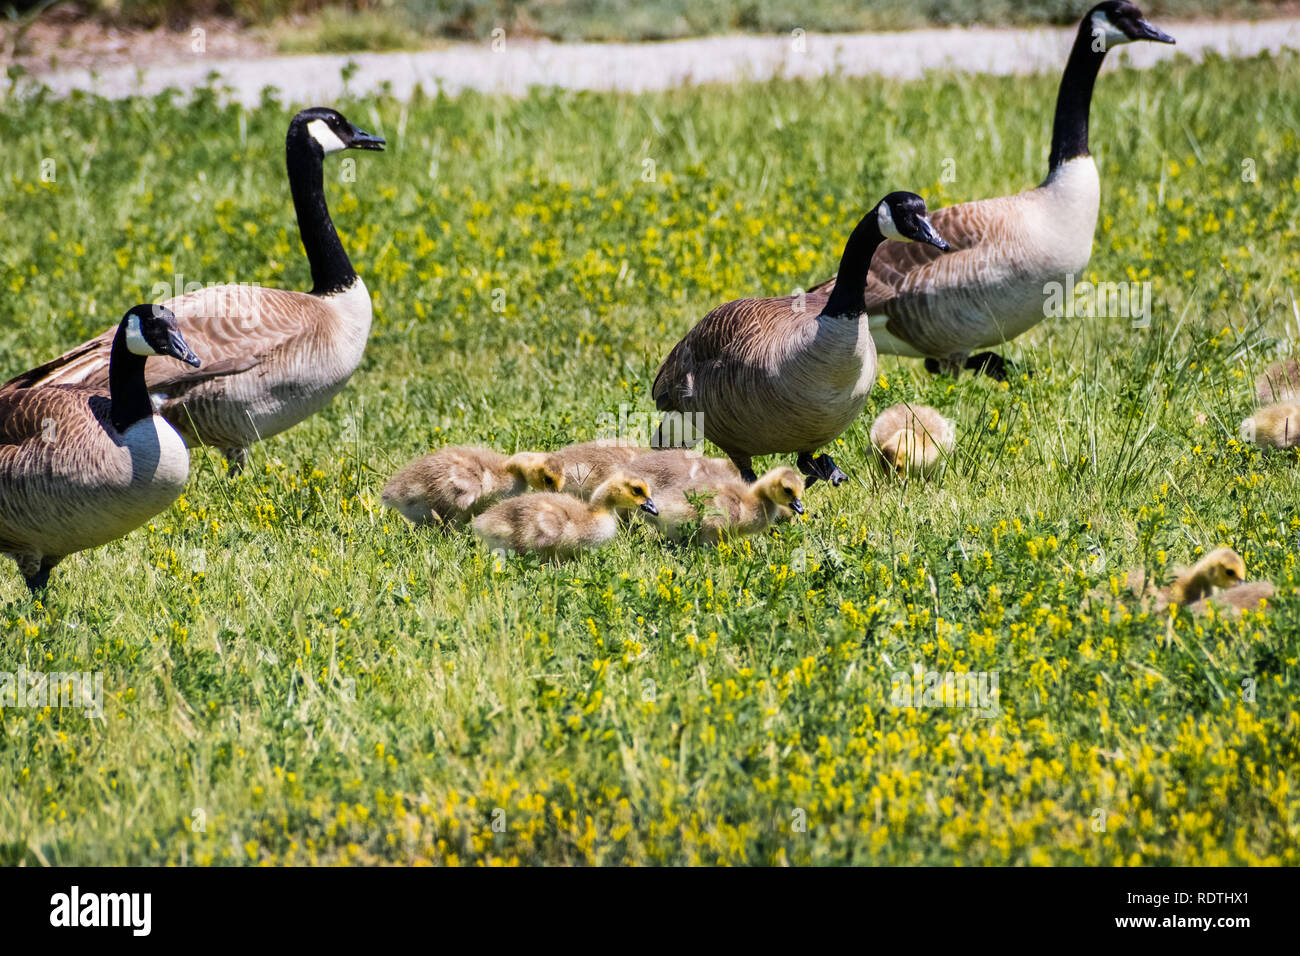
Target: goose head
539, 471
153, 330
781, 486
903, 217
1116, 22
1221, 568
330, 130
627, 491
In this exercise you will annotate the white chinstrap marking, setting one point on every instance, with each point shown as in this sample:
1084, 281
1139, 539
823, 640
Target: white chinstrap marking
885, 221
328, 139
135, 340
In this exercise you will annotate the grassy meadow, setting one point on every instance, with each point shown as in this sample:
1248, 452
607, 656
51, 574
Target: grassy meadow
292, 675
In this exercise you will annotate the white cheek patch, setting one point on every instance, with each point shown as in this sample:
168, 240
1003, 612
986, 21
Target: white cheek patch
328, 139
135, 341
885, 220
1109, 34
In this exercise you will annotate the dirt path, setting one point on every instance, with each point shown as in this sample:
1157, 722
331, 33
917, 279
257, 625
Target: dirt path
636, 67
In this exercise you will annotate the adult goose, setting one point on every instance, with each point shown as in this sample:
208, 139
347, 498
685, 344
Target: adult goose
1005, 250
787, 375
272, 357
80, 467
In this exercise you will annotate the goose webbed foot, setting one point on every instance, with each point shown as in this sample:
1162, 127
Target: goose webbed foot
993, 365
822, 467
747, 476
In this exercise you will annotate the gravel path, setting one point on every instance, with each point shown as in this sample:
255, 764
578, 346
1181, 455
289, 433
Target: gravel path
637, 67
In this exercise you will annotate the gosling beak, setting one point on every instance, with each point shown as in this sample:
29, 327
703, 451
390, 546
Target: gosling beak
363, 140
797, 506
926, 233
1146, 31
648, 506
177, 349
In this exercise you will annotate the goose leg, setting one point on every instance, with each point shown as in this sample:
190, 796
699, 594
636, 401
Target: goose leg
991, 364
745, 465
37, 581
823, 467
946, 366
236, 459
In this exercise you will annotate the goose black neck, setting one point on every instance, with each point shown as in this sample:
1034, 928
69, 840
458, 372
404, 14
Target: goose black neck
128, 392
1070, 127
331, 270
849, 295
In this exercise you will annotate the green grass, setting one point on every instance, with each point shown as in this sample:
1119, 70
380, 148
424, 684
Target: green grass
325, 684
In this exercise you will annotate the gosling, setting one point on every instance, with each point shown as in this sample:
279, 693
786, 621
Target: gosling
1280, 383
731, 508
558, 526
1274, 426
912, 440
1221, 568
588, 464
1243, 597
453, 485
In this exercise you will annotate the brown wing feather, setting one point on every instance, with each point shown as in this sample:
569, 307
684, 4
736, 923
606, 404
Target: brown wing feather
900, 267
737, 333
228, 327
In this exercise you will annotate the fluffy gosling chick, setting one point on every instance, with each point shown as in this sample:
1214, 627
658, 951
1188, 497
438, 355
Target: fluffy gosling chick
1243, 597
732, 509
453, 485
558, 526
1280, 383
681, 468
588, 464
913, 439
1274, 426
1221, 568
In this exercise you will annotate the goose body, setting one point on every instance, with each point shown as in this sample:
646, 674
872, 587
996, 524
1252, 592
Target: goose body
790, 374
80, 466
453, 485
274, 357
1247, 596
1007, 251
558, 526
912, 439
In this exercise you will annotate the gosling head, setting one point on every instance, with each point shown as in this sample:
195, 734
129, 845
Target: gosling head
625, 491
331, 132
1116, 22
153, 330
903, 216
539, 471
781, 486
1222, 568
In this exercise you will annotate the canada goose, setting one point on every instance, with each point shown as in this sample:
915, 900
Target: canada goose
587, 464
1006, 251
788, 374
1274, 426
272, 357
912, 439
452, 485
558, 526
1241, 597
1280, 383
730, 508
78, 467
